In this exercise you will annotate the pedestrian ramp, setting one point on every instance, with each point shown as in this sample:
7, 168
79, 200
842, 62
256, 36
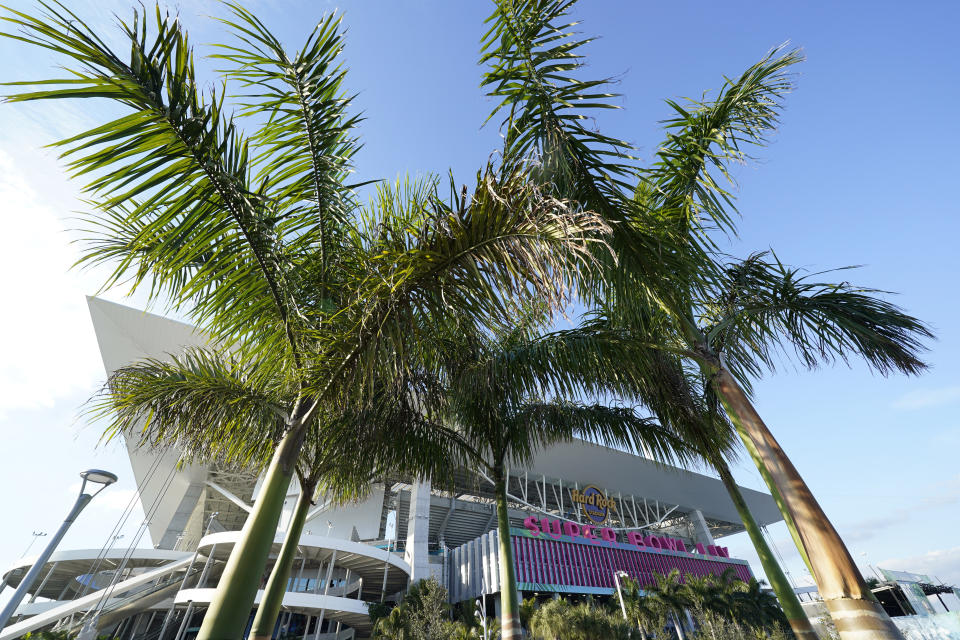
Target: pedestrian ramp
122, 598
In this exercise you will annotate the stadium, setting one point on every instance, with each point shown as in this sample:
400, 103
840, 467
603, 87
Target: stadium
580, 514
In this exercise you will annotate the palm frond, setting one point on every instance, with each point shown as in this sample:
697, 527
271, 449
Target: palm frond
705, 137
538, 424
173, 173
304, 150
767, 307
206, 404
430, 266
534, 59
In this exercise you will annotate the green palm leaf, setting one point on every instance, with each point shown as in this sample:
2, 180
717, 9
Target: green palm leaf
767, 307
208, 405
174, 174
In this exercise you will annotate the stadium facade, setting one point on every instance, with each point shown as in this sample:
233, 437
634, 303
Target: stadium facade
579, 514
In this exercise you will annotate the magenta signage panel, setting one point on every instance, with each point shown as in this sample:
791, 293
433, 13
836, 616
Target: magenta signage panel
549, 561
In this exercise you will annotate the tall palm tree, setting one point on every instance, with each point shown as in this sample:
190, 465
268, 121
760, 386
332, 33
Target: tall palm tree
341, 466
695, 412
670, 595
666, 219
260, 241
762, 308
224, 411
512, 393
529, 50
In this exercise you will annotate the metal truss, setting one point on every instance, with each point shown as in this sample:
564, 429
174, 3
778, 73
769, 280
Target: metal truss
552, 497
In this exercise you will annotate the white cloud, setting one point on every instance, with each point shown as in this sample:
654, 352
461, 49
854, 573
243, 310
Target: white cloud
49, 349
943, 564
925, 398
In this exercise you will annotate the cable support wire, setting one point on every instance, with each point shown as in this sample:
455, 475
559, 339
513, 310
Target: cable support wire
148, 517
780, 559
114, 534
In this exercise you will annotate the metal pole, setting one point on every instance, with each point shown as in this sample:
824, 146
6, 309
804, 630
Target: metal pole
623, 606
82, 501
186, 618
326, 586
303, 563
202, 580
150, 622
43, 583
386, 568
186, 574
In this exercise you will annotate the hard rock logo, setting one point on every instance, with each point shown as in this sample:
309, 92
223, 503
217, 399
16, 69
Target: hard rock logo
595, 505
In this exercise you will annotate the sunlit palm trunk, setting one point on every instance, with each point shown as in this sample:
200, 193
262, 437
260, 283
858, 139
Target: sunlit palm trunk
856, 614
509, 600
266, 619
227, 616
778, 581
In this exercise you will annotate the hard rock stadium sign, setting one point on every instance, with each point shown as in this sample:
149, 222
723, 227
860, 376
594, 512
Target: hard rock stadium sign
596, 508
595, 505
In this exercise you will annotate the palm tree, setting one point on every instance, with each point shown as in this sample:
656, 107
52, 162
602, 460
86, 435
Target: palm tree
528, 606
665, 221
393, 626
508, 395
224, 412
756, 607
551, 621
260, 241
705, 593
639, 607
342, 466
761, 308
671, 597
695, 411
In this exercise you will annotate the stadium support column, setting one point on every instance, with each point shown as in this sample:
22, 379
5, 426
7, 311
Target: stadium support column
703, 534
416, 552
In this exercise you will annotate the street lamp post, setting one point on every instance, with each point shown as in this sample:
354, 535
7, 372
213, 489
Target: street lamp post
36, 534
90, 476
616, 579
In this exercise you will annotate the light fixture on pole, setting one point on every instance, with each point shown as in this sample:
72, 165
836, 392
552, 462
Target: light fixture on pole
481, 613
36, 534
91, 477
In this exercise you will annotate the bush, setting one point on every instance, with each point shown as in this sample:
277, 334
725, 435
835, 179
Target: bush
562, 620
423, 615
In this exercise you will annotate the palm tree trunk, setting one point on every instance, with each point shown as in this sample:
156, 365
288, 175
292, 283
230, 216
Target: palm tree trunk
266, 619
792, 608
774, 492
852, 606
510, 628
679, 627
227, 616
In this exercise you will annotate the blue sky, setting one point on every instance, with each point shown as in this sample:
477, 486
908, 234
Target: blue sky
862, 171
